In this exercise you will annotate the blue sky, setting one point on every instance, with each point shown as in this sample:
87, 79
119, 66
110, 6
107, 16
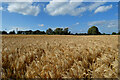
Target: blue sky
77, 16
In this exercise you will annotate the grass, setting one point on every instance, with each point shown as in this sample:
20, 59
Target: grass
56, 56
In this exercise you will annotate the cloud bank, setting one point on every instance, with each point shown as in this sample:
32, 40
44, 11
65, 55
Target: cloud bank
104, 23
58, 7
103, 8
24, 8
74, 8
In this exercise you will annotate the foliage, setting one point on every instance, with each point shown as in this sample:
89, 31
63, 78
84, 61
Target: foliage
93, 31
103, 33
49, 31
12, 32
29, 32
4, 32
114, 33
20, 32
119, 33
58, 31
66, 31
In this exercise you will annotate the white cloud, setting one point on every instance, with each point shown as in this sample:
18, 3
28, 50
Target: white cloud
23, 0
24, 8
77, 23
41, 25
95, 5
103, 8
104, 23
97, 22
1, 8
71, 7
7, 1
57, 7
62, 8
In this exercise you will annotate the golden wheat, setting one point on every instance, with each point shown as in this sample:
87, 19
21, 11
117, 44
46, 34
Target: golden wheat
56, 56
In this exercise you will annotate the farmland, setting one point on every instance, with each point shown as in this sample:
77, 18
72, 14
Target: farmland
55, 56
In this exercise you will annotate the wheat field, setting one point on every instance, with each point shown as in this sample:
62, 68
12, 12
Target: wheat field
56, 56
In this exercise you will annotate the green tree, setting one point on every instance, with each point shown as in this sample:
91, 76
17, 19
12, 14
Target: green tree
42, 32
113, 33
59, 31
36, 32
29, 32
119, 33
4, 32
12, 32
103, 33
19, 32
93, 31
66, 31
49, 31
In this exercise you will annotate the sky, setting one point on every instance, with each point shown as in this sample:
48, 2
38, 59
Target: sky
77, 16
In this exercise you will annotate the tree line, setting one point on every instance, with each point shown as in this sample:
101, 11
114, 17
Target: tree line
59, 31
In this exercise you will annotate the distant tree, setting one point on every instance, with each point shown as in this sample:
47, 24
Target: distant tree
66, 31
82, 33
59, 31
49, 31
119, 33
43, 32
29, 32
69, 33
12, 32
4, 32
103, 33
76, 33
93, 31
113, 33
19, 32
36, 32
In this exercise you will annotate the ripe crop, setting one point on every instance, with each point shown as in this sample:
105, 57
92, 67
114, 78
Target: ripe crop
55, 56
